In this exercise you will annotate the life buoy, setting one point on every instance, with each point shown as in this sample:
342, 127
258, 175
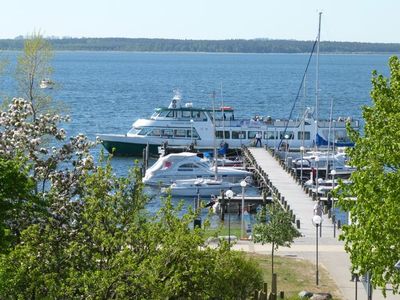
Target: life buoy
173, 103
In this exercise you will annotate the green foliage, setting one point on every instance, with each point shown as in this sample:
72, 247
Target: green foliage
274, 227
233, 45
17, 200
372, 239
104, 245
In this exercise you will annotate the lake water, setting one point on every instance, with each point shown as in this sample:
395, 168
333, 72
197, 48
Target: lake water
107, 91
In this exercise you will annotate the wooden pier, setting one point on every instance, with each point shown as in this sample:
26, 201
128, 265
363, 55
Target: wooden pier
281, 184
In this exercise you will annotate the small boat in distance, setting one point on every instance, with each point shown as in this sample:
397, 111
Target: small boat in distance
46, 84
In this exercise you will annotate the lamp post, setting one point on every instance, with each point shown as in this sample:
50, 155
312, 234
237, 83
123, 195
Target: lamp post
333, 173
229, 195
191, 131
301, 169
317, 220
243, 184
287, 147
316, 176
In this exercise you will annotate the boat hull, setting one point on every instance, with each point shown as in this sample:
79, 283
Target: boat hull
203, 191
128, 149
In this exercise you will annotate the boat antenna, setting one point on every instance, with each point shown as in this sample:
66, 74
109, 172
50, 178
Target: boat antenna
329, 141
317, 80
214, 138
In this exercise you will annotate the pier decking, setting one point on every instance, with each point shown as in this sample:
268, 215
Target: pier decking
301, 204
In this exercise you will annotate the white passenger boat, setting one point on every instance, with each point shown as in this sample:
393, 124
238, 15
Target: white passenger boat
181, 125
186, 165
46, 84
199, 187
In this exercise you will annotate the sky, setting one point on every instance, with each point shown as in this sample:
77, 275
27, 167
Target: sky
342, 20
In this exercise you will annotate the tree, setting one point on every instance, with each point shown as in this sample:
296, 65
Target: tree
372, 238
104, 245
33, 66
16, 197
94, 238
275, 227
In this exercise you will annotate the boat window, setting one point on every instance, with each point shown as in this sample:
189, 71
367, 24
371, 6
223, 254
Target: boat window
270, 135
180, 133
219, 135
187, 114
199, 116
154, 115
172, 114
282, 135
303, 135
195, 134
134, 130
187, 167
167, 132
144, 131
236, 135
163, 114
341, 136
251, 135
155, 132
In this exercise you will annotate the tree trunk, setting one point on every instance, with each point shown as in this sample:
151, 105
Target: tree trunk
272, 258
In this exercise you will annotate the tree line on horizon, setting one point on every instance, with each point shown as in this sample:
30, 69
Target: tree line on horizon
216, 46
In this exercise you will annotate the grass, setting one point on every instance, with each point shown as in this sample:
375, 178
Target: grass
295, 275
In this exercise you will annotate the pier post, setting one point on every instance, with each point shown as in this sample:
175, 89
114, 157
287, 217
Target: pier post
223, 205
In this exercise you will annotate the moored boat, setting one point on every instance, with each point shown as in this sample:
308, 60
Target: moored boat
46, 84
199, 187
182, 125
186, 165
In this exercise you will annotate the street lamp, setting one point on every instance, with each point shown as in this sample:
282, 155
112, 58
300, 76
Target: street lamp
333, 173
316, 176
229, 195
243, 184
287, 147
317, 220
301, 169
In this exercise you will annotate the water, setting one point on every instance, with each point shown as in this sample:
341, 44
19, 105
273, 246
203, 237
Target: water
107, 91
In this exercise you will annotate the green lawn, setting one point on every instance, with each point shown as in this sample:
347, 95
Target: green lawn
295, 275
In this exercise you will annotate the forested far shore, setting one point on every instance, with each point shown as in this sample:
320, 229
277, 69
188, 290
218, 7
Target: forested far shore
217, 46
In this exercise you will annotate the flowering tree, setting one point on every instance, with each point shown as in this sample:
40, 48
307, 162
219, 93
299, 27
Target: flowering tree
91, 236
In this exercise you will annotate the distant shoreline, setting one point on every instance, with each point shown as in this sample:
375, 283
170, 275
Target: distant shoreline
261, 46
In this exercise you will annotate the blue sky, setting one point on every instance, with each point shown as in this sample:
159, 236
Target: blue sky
343, 20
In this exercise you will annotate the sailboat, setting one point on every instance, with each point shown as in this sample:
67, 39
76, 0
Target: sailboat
201, 186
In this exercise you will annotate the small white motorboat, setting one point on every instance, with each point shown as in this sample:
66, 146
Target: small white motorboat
187, 165
46, 84
199, 187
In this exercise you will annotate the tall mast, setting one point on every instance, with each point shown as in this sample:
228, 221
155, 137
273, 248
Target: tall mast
214, 138
317, 79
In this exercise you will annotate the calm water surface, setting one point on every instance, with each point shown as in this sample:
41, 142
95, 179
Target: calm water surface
107, 91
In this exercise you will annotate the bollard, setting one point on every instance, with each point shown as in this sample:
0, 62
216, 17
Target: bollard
298, 224
274, 286
339, 224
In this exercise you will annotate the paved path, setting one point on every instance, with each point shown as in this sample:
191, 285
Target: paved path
331, 251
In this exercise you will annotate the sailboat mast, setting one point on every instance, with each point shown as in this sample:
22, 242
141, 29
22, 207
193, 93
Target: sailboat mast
214, 138
317, 79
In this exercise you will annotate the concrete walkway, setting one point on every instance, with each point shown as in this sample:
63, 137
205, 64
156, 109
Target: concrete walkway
331, 251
